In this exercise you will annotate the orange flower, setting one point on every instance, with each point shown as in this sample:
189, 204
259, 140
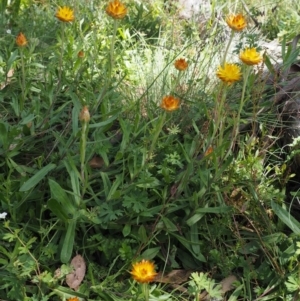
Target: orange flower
80, 54
236, 22
170, 103
143, 271
116, 9
250, 56
21, 40
84, 115
229, 73
181, 64
73, 299
65, 14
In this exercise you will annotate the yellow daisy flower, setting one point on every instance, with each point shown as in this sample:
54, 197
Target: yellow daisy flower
21, 40
143, 271
170, 103
181, 64
236, 22
229, 73
65, 14
116, 9
250, 56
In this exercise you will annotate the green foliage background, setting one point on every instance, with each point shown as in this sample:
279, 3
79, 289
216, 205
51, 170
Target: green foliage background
136, 182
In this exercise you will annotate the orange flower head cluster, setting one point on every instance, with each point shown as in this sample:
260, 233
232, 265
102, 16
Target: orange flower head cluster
236, 22
170, 103
116, 9
250, 56
73, 299
21, 40
229, 73
181, 64
143, 271
65, 14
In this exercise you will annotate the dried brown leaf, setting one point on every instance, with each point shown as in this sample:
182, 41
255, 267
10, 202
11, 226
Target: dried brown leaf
9, 75
96, 162
227, 283
75, 278
174, 277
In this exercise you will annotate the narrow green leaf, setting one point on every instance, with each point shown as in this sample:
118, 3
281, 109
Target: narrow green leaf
286, 218
12, 58
67, 249
57, 209
142, 234
74, 176
27, 119
60, 195
169, 225
3, 136
103, 123
105, 182
150, 253
125, 126
126, 230
195, 239
114, 187
220, 209
187, 245
75, 114
39, 176
237, 292
200, 212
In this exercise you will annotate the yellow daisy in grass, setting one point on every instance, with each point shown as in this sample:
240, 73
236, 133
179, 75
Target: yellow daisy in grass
21, 40
65, 14
236, 22
143, 271
116, 9
73, 299
170, 103
181, 64
250, 56
229, 73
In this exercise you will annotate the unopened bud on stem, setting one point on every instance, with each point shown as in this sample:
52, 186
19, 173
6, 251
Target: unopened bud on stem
84, 115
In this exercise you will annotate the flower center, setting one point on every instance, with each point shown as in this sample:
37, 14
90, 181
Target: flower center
144, 272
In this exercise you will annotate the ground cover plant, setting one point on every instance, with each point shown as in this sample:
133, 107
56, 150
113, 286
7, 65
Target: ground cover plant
148, 157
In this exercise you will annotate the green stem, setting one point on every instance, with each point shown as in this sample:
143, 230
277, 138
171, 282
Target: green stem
219, 124
177, 81
157, 132
218, 116
227, 48
145, 289
23, 82
61, 53
112, 48
110, 68
242, 102
83, 137
246, 74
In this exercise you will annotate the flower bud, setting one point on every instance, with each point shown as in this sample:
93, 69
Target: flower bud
84, 115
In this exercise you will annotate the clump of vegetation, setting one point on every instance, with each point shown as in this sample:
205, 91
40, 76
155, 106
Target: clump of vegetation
142, 157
